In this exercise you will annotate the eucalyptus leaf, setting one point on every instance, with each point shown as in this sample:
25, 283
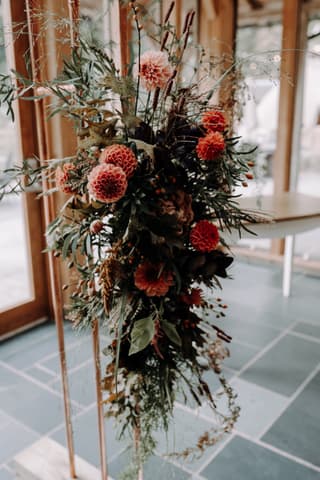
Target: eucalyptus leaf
142, 334
171, 331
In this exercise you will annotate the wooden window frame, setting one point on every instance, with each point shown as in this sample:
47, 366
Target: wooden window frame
36, 310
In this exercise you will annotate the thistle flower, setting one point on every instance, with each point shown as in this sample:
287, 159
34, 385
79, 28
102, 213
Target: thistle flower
63, 179
121, 156
211, 146
155, 70
148, 278
204, 237
107, 183
214, 121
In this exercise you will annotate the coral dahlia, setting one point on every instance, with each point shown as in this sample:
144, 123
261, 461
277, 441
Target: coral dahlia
107, 183
155, 70
152, 279
121, 156
210, 146
214, 121
204, 236
63, 178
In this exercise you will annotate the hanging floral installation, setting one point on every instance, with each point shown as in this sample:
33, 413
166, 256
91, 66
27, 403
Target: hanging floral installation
150, 195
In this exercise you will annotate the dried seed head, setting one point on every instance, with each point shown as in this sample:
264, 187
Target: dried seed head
96, 226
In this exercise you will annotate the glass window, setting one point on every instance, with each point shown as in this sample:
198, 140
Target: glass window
14, 265
258, 49
307, 244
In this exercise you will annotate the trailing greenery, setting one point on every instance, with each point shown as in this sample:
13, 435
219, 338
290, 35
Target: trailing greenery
150, 194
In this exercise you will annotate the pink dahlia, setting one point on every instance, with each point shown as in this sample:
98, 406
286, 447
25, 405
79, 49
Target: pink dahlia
148, 278
63, 180
210, 146
107, 183
155, 70
214, 121
204, 236
121, 156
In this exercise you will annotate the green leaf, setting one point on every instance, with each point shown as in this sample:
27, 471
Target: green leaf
142, 334
66, 244
171, 331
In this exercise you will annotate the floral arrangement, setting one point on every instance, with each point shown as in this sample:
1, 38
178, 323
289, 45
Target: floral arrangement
150, 195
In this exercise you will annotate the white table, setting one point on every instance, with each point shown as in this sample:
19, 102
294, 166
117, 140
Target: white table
290, 213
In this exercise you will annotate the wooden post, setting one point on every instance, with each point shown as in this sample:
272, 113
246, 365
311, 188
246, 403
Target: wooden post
49, 211
289, 72
217, 33
125, 36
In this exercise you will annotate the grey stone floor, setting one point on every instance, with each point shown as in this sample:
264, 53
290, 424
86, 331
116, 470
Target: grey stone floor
274, 367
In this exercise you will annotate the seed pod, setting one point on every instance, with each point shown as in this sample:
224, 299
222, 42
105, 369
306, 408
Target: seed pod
96, 226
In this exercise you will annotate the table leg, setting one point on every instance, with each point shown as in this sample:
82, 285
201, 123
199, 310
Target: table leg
287, 265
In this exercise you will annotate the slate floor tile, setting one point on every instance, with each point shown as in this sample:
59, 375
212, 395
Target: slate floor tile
14, 437
155, 468
258, 407
29, 403
85, 428
76, 354
184, 432
299, 306
243, 460
285, 366
81, 385
39, 374
186, 398
248, 332
239, 355
29, 354
297, 431
308, 329
264, 275
24, 340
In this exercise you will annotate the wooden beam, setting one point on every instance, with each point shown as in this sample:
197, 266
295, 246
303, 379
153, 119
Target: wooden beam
218, 35
289, 71
125, 36
288, 87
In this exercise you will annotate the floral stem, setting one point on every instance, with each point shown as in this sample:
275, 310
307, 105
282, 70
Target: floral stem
138, 27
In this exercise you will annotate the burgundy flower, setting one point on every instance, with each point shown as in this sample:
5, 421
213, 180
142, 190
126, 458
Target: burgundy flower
153, 279
193, 297
204, 237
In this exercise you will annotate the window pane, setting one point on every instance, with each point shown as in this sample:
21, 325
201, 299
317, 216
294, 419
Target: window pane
307, 244
16, 287
259, 47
